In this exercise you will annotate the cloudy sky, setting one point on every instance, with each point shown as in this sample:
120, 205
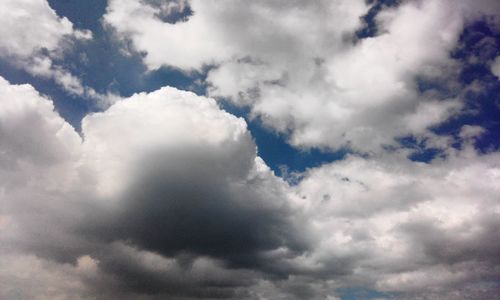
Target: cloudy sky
267, 149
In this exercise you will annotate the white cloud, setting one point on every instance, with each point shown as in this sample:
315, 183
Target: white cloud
363, 94
37, 144
29, 26
302, 73
236, 29
119, 137
33, 36
404, 226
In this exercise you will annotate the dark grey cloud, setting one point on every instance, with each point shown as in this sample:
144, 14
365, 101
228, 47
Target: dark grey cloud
195, 203
131, 276
198, 219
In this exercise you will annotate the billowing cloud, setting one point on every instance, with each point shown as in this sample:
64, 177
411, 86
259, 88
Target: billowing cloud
163, 196
196, 179
305, 73
241, 30
162, 184
408, 226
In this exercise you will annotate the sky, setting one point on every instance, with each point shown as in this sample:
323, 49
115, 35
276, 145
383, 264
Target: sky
230, 149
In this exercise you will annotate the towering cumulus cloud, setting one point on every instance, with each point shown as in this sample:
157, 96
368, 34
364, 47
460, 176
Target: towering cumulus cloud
165, 176
166, 195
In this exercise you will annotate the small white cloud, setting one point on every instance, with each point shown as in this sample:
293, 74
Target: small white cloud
32, 36
28, 26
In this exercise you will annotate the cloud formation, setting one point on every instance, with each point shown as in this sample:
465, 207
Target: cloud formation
165, 176
163, 195
401, 221
34, 38
307, 73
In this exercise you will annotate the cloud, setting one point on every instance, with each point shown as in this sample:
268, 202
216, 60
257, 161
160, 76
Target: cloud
189, 170
44, 279
28, 119
33, 37
495, 67
164, 195
162, 184
239, 26
307, 74
31, 26
409, 227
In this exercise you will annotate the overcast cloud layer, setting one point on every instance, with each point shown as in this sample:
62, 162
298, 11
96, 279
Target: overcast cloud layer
164, 194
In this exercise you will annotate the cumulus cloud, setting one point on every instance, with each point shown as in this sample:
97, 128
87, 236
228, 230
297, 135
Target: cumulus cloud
161, 184
163, 195
197, 179
33, 37
405, 226
306, 73
239, 25
30, 26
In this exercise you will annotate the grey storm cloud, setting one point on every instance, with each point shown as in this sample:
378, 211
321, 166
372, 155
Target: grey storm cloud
198, 204
209, 200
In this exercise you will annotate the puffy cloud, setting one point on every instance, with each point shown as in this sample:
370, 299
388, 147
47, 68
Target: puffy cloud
237, 29
192, 173
164, 196
405, 226
33, 37
305, 73
35, 139
29, 26
39, 156
162, 184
